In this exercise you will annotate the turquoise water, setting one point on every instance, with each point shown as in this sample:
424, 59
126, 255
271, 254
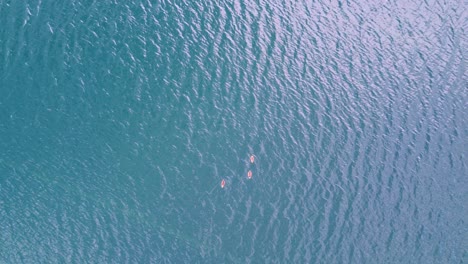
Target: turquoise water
118, 121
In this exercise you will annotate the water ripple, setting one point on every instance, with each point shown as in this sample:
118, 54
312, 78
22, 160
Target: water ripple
118, 123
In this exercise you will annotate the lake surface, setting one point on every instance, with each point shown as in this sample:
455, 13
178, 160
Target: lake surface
120, 119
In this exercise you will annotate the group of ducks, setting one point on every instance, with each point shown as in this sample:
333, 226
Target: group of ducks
249, 173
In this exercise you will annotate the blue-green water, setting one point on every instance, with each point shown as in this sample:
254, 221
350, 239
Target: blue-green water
119, 119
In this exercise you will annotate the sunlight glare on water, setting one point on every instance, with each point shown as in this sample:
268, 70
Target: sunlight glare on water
233, 132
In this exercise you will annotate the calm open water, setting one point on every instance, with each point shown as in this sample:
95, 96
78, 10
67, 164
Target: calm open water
119, 119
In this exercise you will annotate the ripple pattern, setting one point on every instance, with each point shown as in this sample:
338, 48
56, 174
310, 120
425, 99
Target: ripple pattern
118, 121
